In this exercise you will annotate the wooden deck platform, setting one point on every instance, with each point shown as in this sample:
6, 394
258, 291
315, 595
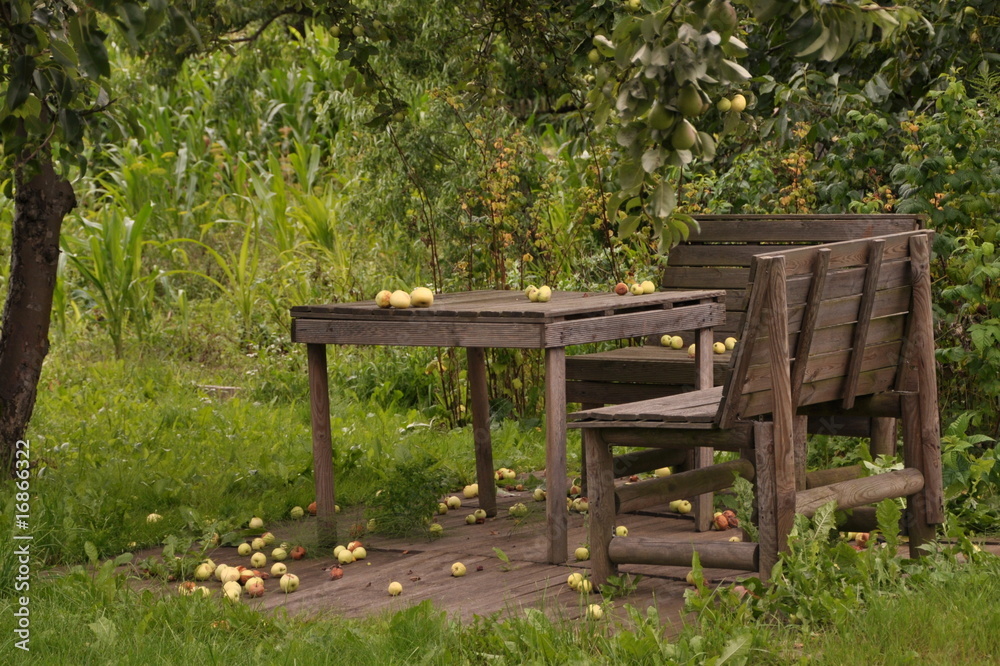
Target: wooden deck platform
491, 586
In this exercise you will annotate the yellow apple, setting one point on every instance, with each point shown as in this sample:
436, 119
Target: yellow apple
422, 297
395, 589
399, 299
382, 298
719, 348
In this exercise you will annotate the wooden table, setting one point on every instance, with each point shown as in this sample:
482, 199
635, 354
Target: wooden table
481, 319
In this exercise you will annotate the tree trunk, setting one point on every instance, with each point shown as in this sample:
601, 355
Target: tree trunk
41, 202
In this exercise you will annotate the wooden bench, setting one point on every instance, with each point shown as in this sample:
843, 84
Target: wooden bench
717, 256
845, 328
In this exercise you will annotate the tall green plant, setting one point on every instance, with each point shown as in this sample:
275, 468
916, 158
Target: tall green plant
109, 260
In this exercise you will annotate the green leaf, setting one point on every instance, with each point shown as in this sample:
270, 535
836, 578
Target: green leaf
19, 85
91, 551
628, 226
888, 514
663, 201
64, 54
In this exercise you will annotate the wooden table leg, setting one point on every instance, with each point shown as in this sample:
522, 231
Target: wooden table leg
555, 453
319, 402
476, 357
704, 504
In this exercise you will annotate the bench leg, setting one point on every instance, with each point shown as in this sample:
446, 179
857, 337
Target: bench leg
602, 504
775, 482
476, 358
583, 450
918, 529
883, 437
703, 506
800, 425
319, 404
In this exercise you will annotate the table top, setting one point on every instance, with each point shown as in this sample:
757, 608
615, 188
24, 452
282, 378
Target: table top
507, 319
506, 305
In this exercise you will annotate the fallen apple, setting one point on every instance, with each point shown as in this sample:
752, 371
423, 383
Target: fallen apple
532, 293
246, 575
219, 570
359, 553
256, 523
575, 489
683, 506
666, 340
730, 343
581, 505
202, 591
336, 573
278, 554
719, 348
690, 578
289, 583
721, 522
509, 474
311, 508
353, 544
691, 351
258, 559
470, 519
677, 343
244, 549
297, 512
442, 508
345, 557
395, 589
454, 502
518, 510
298, 553
621, 531
267, 538
254, 587
230, 575
458, 570
673, 505
232, 591
581, 554
471, 490
480, 514
538, 495
257, 544
585, 586
336, 551
661, 472
435, 529
529, 288
735, 539
154, 518
382, 298
574, 580
186, 588
203, 571
595, 612
279, 569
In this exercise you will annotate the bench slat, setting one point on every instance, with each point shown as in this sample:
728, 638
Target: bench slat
657, 408
800, 228
828, 390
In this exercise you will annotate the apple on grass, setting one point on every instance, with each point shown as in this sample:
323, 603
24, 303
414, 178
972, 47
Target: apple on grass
186, 588
595, 612
154, 518
256, 523
232, 591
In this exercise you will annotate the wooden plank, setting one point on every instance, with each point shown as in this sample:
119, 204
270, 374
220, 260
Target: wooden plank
844, 310
849, 281
930, 425
476, 358
744, 351
646, 550
418, 333
847, 253
704, 277
807, 228
783, 432
322, 445
800, 442
655, 407
885, 404
732, 439
555, 454
829, 365
602, 505
859, 492
766, 497
717, 255
641, 365
703, 457
651, 492
876, 381
582, 331
608, 393
875, 251
804, 343
836, 338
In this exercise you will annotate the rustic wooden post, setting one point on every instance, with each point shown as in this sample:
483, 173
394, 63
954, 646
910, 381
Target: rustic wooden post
765, 497
883, 436
319, 404
555, 454
583, 449
704, 368
602, 504
476, 359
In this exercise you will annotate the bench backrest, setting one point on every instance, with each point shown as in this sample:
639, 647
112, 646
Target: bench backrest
845, 311
718, 254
